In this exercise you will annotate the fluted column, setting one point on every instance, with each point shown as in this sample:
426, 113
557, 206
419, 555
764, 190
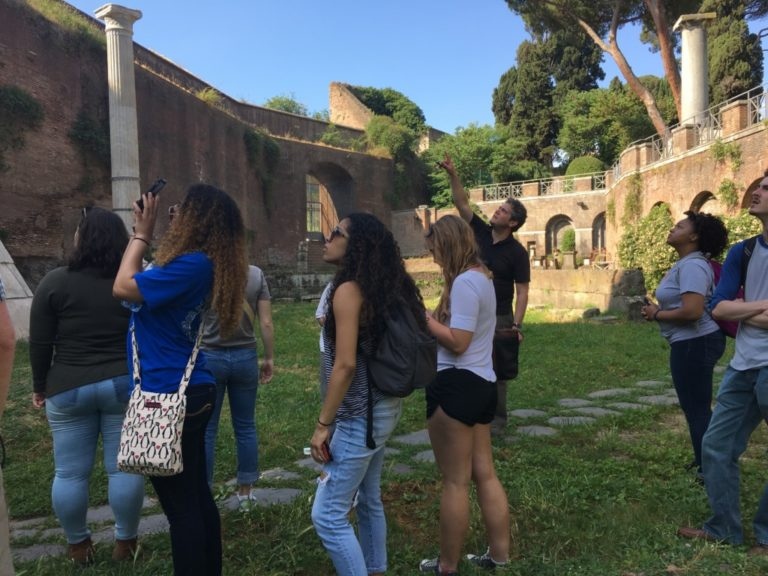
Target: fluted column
694, 74
123, 131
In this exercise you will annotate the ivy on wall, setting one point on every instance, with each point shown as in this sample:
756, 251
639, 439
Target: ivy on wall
729, 190
91, 138
19, 112
262, 154
741, 226
632, 200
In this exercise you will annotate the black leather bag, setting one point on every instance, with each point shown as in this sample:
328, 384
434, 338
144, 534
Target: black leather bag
505, 350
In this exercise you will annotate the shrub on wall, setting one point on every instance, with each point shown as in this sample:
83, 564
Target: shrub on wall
91, 137
741, 226
731, 151
19, 112
728, 193
262, 154
384, 132
632, 200
644, 246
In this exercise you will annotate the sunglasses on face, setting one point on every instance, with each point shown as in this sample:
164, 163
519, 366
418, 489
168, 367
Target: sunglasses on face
337, 231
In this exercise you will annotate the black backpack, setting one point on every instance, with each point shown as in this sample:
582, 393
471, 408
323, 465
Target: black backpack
405, 359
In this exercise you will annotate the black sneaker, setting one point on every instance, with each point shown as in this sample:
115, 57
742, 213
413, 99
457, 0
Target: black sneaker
485, 561
432, 566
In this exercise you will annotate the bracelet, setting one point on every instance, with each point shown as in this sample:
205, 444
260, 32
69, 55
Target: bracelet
134, 237
323, 424
656, 315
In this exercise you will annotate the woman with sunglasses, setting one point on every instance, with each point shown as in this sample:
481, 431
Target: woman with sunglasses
199, 264
80, 376
370, 280
461, 401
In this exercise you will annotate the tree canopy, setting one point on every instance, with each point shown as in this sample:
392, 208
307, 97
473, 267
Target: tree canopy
601, 20
389, 102
286, 103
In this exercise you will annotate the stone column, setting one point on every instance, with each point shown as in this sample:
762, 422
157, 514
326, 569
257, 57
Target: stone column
123, 131
694, 74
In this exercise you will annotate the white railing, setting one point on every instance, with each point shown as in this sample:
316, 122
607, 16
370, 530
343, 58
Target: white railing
708, 128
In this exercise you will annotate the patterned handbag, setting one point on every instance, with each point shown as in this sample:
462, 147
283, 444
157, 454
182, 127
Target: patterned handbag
150, 440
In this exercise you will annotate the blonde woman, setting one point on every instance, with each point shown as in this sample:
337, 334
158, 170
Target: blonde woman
462, 399
199, 264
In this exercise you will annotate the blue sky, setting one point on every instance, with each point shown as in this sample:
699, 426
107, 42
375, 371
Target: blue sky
446, 56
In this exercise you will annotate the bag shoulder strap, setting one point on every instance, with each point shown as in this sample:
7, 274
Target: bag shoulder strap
748, 248
185, 378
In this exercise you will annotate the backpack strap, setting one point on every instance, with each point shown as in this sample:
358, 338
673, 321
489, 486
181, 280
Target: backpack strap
749, 247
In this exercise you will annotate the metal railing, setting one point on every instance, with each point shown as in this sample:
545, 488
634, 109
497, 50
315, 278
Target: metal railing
708, 128
545, 186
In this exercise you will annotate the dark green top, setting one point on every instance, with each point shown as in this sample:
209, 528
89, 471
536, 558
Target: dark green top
77, 331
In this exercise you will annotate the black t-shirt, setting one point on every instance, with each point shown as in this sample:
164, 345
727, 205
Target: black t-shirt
508, 261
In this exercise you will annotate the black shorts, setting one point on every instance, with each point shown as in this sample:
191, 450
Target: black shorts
463, 395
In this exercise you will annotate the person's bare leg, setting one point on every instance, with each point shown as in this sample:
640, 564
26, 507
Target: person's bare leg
452, 444
490, 494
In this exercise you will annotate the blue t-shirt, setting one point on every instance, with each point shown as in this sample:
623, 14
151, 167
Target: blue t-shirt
166, 322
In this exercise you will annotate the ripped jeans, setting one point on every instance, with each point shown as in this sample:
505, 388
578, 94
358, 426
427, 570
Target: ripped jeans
356, 468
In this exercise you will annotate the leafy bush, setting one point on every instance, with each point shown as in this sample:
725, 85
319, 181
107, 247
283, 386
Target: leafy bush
568, 242
91, 137
644, 246
391, 103
741, 226
632, 200
728, 193
584, 165
385, 132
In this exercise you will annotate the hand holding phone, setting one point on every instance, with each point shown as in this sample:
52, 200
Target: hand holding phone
154, 190
327, 452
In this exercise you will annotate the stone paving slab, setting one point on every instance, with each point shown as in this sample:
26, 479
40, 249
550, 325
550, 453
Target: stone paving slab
413, 439
425, 456
609, 393
570, 420
628, 406
536, 431
596, 411
651, 383
264, 497
278, 474
659, 400
527, 413
574, 402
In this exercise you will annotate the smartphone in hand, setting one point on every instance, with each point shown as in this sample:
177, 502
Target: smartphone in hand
154, 190
327, 452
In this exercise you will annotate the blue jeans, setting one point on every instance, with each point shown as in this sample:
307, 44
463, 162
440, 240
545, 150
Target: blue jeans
692, 363
77, 417
237, 373
742, 403
356, 468
186, 498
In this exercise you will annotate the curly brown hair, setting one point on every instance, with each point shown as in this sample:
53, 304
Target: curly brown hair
209, 221
373, 260
453, 242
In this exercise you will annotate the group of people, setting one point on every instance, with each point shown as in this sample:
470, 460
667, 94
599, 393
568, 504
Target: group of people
694, 309
199, 283
199, 289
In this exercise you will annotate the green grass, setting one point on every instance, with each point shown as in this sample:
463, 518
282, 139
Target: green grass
603, 499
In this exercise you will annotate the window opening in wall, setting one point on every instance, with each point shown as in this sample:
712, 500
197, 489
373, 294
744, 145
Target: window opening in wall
314, 209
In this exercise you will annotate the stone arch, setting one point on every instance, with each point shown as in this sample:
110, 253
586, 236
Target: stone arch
746, 200
598, 233
706, 201
554, 231
329, 192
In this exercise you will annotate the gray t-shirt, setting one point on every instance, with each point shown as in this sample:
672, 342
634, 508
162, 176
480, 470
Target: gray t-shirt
244, 335
752, 342
692, 273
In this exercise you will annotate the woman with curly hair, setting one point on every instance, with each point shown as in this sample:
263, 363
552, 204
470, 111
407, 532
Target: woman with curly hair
696, 341
199, 264
461, 401
371, 279
80, 376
